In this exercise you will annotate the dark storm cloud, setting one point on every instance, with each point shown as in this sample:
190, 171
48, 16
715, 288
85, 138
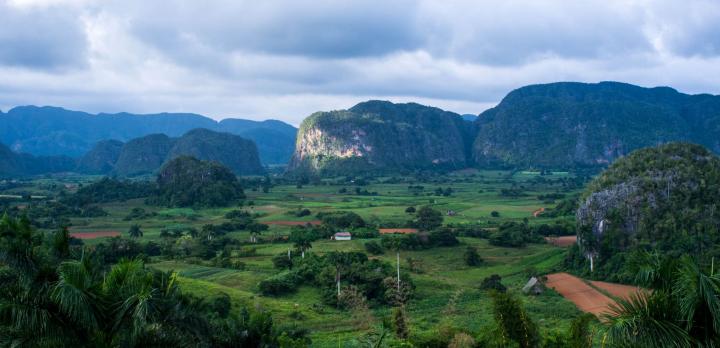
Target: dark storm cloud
317, 29
40, 39
288, 58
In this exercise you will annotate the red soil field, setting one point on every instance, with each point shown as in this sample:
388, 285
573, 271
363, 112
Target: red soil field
616, 290
93, 235
292, 223
538, 212
398, 230
563, 241
585, 297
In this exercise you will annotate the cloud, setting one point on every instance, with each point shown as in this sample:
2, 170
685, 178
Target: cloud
40, 38
286, 59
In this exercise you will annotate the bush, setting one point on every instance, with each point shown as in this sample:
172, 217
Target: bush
495, 213
513, 234
443, 237
282, 261
374, 248
472, 258
279, 284
410, 210
493, 282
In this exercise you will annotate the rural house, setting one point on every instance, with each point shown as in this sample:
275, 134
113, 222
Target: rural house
342, 236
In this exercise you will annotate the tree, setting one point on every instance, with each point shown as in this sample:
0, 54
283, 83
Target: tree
493, 282
428, 218
682, 310
302, 240
495, 213
514, 324
400, 322
410, 210
472, 258
135, 231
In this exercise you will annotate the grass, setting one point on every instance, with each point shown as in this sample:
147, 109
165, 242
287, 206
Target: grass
447, 291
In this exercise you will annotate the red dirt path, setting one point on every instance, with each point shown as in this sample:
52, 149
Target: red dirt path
93, 235
292, 223
538, 212
616, 290
585, 297
562, 241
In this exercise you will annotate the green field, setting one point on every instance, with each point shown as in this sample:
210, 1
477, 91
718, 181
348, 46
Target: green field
447, 293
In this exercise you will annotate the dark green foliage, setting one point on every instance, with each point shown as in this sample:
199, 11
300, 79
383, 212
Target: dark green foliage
353, 268
282, 261
49, 299
101, 158
566, 207
374, 248
493, 282
663, 198
13, 165
238, 154
279, 284
143, 155
187, 181
574, 125
471, 257
513, 234
514, 324
495, 213
137, 213
401, 136
443, 237
341, 219
135, 232
410, 210
109, 190
681, 311
428, 218
400, 322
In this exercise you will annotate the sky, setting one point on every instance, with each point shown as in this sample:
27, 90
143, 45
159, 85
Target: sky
288, 59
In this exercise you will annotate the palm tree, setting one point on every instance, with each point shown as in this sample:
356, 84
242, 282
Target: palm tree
682, 310
135, 231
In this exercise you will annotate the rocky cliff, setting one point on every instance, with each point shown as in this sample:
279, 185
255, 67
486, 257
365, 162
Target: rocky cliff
380, 135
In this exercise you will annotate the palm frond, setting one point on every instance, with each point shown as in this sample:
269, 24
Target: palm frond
644, 320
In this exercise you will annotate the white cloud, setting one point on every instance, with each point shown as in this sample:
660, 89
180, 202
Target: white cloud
287, 59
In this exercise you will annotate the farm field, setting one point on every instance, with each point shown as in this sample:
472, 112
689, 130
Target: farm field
447, 292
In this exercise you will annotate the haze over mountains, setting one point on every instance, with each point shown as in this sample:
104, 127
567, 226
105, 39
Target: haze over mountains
561, 125
53, 131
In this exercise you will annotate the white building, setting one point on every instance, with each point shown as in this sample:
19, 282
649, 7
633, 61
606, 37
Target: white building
343, 236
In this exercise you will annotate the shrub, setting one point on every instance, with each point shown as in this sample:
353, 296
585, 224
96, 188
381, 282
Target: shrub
279, 284
472, 258
443, 237
374, 248
495, 213
493, 282
410, 210
282, 261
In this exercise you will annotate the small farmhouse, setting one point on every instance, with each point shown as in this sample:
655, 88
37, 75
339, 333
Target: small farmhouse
342, 236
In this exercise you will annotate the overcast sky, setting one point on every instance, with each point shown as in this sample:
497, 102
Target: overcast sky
286, 59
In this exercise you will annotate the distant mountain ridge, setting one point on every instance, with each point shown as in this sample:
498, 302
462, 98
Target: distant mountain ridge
146, 155
569, 124
54, 131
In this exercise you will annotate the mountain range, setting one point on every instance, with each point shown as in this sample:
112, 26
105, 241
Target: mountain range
563, 125
52, 131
